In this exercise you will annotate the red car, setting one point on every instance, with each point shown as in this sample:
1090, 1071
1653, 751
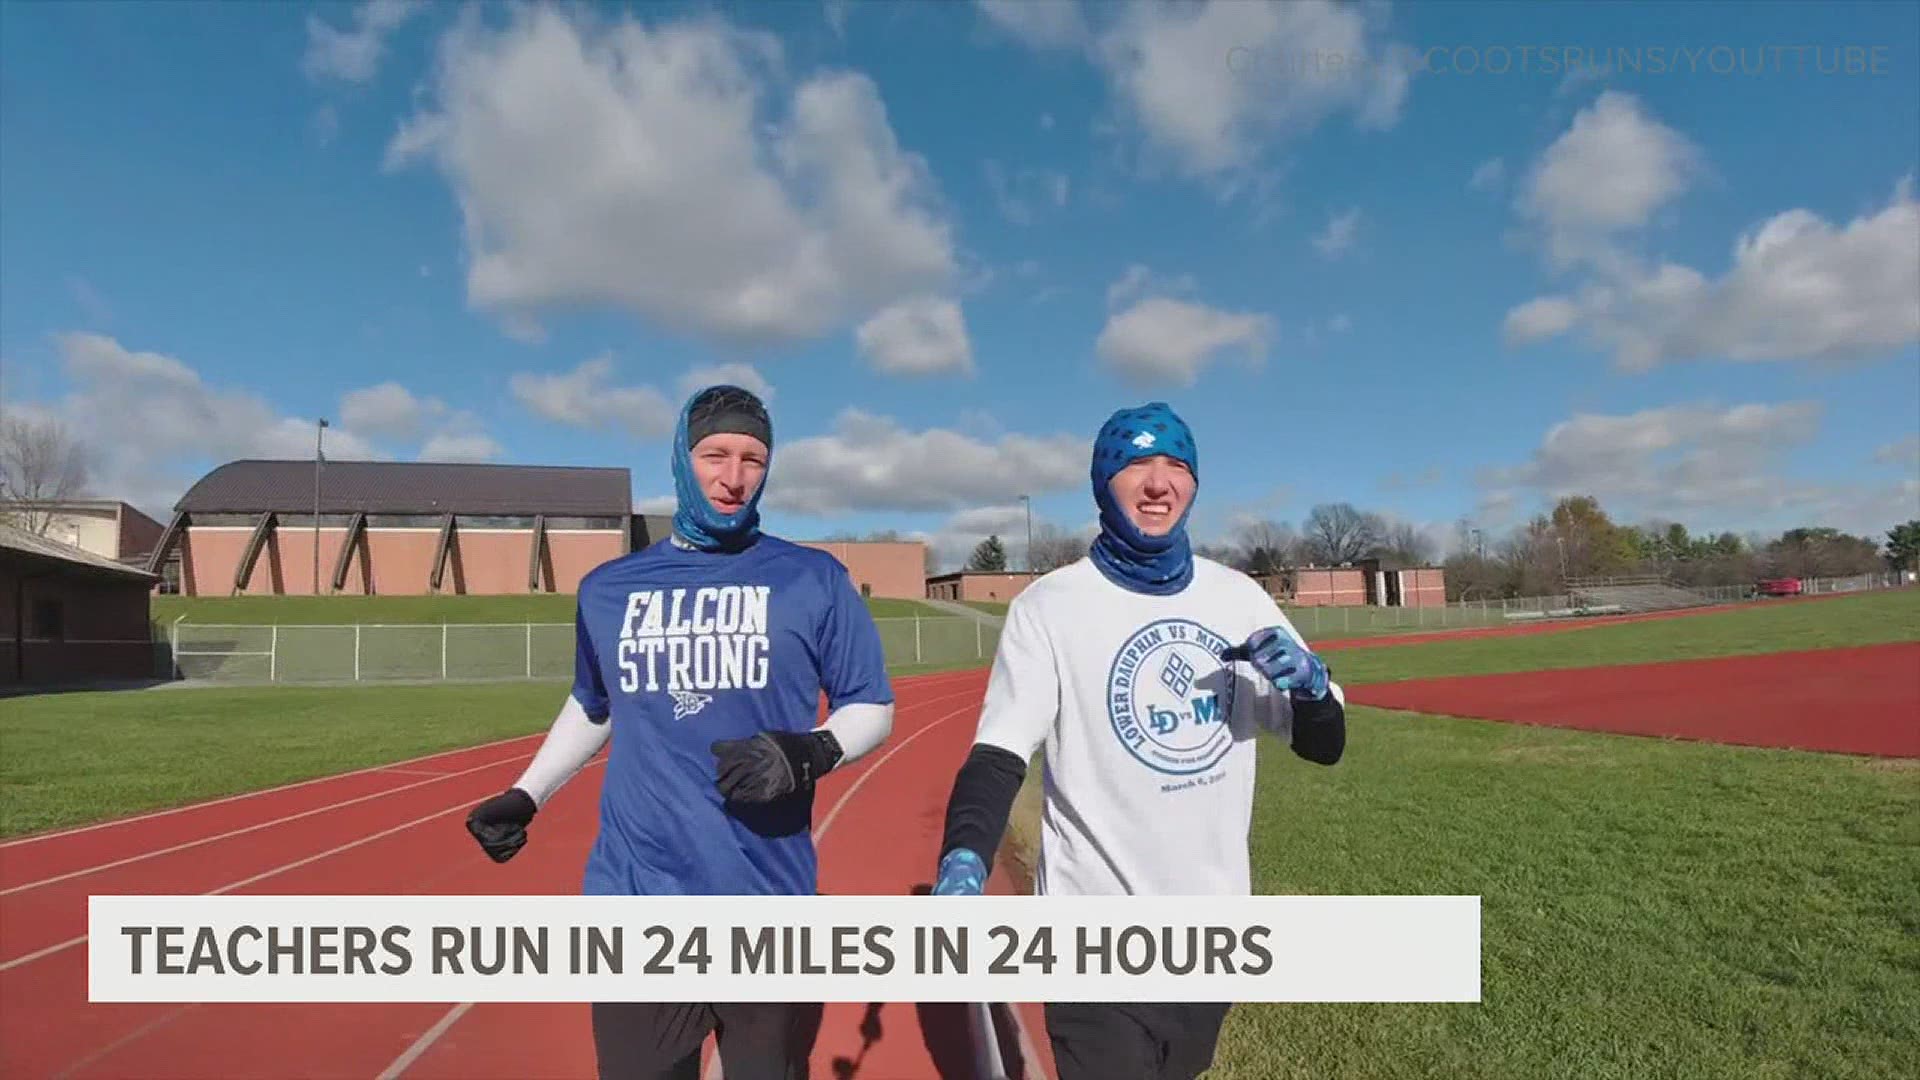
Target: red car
1780, 587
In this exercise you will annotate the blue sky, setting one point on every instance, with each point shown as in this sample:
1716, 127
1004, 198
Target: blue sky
1453, 277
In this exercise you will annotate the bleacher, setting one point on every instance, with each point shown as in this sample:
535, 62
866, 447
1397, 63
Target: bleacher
1645, 592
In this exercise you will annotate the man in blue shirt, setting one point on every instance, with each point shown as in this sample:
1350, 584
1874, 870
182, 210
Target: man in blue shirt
702, 658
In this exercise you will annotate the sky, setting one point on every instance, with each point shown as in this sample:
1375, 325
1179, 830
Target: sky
1444, 262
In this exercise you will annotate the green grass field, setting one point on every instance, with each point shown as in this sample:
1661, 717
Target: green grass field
1650, 908
1867, 619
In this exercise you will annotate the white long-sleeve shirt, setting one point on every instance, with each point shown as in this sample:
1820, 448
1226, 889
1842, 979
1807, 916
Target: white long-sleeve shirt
1149, 769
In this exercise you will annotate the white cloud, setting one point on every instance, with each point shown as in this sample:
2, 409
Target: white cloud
387, 411
745, 376
1904, 454
1610, 171
1798, 288
1488, 175
1709, 466
676, 172
870, 462
449, 446
1042, 24
1212, 85
152, 425
1540, 318
921, 336
1017, 193
586, 398
1151, 336
1333, 241
354, 55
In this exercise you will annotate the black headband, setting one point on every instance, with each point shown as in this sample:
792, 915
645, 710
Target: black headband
730, 410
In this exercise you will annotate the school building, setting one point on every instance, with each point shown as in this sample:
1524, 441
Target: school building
287, 528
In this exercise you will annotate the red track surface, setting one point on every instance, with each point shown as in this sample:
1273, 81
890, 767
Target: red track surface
1851, 701
397, 830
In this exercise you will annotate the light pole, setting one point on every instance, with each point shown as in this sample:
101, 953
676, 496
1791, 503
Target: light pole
319, 433
1028, 499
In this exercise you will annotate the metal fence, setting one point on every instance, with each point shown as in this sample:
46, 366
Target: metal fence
369, 652
1332, 621
391, 652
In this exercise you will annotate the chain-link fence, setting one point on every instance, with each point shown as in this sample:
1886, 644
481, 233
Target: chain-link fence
369, 652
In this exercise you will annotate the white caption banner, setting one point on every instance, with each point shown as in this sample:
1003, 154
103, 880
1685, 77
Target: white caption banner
765, 948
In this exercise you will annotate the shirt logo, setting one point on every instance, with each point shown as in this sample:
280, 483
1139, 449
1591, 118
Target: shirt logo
1169, 697
686, 703
689, 643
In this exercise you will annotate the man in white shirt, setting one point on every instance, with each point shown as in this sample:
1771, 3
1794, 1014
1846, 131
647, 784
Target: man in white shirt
1146, 673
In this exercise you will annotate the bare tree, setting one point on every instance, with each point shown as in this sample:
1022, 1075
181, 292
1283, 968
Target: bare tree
40, 465
1054, 547
1266, 547
1337, 533
1402, 541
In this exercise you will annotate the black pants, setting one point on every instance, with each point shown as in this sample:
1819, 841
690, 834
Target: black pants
1130, 1041
659, 1041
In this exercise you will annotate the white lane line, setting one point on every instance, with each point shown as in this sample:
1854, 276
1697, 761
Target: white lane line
38, 837
21, 841
833, 814
157, 852
242, 883
420, 1045
432, 1035
715, 1071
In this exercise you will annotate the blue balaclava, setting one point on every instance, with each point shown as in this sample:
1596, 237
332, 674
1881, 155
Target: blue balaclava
713, 410
1132, 559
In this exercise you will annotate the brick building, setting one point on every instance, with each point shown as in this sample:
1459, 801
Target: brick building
990, 585
412, 528
105, 527
69, 615
1366, 582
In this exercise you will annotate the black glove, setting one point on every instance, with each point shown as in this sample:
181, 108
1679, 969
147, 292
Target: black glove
500, 823
773, 763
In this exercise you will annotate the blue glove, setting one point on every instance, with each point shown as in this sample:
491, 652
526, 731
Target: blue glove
962, 873
1290, 665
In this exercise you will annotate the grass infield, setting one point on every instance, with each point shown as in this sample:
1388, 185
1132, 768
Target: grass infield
1648, 908
1821, 623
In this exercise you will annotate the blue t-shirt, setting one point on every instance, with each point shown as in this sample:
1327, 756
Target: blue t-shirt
680, 648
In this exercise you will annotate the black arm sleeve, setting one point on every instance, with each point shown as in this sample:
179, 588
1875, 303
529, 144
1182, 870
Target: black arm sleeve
982, 798
1320, 730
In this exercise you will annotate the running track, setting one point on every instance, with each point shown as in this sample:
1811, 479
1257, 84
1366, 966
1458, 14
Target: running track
399, 829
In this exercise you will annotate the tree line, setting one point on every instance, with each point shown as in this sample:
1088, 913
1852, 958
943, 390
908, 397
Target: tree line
1576, 539
42, 463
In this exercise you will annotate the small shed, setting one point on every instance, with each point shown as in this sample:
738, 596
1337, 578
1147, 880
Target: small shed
68, 615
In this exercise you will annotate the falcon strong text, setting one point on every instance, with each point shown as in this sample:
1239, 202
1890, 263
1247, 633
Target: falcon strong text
710, 638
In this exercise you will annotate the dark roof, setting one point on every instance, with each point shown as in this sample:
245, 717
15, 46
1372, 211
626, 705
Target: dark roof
21, 544
410, 487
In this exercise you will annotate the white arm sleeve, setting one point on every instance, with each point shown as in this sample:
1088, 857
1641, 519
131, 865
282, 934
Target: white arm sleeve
1023, 692
570, 744
859, 727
